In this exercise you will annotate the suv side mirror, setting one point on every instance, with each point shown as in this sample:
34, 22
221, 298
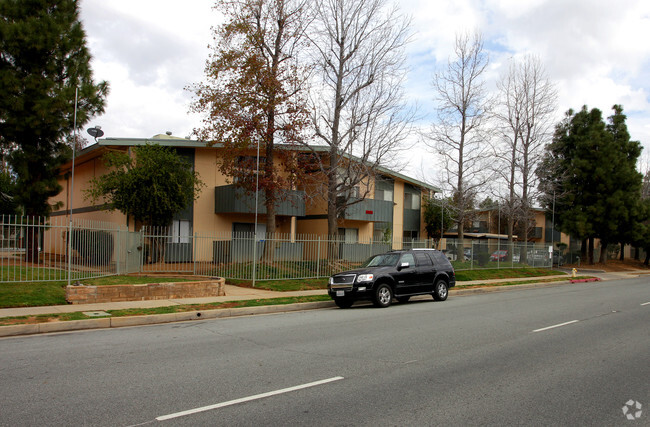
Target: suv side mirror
404, 265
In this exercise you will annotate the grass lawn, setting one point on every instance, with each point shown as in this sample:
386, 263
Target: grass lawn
505, 273
282, 285
34, 294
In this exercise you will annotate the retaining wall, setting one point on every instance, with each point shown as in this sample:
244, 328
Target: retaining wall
81, 294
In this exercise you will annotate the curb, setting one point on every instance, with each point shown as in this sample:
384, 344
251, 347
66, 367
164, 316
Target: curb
152, 319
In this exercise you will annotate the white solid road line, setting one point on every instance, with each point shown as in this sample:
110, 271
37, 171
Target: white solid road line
246, 399
646, 303
555, 326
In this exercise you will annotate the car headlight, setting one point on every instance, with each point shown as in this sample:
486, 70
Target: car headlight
365, 278
331, 281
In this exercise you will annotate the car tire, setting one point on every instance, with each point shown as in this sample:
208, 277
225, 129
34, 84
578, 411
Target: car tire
403, 299
383, 295
440, 290
343, 302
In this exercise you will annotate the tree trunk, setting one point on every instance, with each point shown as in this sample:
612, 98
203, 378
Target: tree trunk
622, 257
31, 244
603, 252
511, 233
590, 255
269, 255
332, 207
637, 254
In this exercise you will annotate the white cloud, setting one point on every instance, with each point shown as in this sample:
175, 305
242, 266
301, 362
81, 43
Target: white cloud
595, 50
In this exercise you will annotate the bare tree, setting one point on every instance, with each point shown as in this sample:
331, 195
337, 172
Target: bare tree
253, 94
359, 108
525, 113
461, 135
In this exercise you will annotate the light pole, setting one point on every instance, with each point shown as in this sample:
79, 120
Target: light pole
553, 234
442, 219
74, 149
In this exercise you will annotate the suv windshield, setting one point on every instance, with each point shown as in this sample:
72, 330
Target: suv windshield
383, 260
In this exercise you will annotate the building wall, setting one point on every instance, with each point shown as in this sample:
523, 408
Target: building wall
204, 218
85, 170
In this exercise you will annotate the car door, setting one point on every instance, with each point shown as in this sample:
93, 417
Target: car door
426, 272
406, 277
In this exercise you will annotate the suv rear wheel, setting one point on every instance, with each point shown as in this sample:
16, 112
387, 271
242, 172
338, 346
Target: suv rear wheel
383, 296
440, 290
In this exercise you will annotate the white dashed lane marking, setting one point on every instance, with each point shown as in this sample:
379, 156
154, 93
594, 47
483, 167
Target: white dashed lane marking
555, 326
246, 399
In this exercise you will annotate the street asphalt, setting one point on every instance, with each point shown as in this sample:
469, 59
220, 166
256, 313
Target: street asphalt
233, 293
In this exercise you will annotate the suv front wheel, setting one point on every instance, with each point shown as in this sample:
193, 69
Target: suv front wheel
440, 290
383, 296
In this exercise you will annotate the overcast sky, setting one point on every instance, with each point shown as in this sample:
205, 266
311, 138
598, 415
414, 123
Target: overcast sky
596, 51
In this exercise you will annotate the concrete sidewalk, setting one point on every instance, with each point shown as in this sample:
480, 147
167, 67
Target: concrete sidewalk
233, 293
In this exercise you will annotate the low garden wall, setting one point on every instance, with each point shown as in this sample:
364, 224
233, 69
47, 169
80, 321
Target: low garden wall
81, 294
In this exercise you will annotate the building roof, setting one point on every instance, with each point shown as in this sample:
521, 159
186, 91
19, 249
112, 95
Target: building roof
167, 140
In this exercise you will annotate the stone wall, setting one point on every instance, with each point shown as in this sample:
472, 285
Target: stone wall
82, 294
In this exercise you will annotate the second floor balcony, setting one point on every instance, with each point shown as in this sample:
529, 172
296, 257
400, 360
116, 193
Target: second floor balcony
370, 210
233, 199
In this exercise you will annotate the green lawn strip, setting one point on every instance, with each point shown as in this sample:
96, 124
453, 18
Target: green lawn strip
282, 285
521, 282
32, 294
505, 273
37, 294
43, 318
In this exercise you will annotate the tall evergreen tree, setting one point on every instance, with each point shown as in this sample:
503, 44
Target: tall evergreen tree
43, 59
591, 170
625, 201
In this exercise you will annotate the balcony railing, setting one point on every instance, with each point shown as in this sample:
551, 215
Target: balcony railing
233, 199
370, 210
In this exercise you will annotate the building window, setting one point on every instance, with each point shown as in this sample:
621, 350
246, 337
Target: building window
411, 235
386, 195
349, 235
411, 201
180, 231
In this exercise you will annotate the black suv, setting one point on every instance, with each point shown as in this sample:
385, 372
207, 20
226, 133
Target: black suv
399, 274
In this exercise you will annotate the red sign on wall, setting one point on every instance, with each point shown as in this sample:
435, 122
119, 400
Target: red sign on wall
369, 212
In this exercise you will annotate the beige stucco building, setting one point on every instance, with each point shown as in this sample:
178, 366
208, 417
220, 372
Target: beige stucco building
392, 202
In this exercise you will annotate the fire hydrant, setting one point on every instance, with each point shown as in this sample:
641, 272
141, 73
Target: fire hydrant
573, 272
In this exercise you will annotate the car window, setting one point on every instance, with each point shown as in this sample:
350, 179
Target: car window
422, 258
440, 259
407, 258
383, 260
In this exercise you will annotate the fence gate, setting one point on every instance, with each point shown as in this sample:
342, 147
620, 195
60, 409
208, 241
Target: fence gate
134, 250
